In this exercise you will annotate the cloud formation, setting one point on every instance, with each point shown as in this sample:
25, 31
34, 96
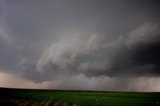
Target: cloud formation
83, 43
136, 54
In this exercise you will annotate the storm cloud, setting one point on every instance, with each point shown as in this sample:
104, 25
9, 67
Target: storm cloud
136, 54
81, 44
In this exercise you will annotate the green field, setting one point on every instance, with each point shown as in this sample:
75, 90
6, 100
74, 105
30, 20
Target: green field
82, 98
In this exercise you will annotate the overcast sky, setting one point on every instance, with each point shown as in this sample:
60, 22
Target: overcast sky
80, 44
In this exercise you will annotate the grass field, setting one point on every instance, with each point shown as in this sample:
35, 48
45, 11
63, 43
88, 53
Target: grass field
78, 98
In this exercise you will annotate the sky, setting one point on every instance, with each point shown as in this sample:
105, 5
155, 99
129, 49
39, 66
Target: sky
109, 45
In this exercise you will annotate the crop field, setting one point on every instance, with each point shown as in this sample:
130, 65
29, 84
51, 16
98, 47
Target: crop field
33, 97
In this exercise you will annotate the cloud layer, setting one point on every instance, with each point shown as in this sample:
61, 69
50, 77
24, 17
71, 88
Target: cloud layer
137, 54
81, 44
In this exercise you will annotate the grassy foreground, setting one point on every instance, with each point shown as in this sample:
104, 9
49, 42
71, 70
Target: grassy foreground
77, 98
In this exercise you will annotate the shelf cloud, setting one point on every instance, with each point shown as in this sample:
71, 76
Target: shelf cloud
136, 54
94, 45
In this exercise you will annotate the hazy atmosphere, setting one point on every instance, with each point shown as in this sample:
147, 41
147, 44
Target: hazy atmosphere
80, 44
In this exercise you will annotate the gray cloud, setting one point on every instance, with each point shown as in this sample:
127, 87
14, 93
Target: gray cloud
136, 54
93, 40
80, 82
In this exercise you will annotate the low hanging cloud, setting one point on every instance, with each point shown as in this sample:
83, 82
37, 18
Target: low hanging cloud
78, 44
136, 54
80, 82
